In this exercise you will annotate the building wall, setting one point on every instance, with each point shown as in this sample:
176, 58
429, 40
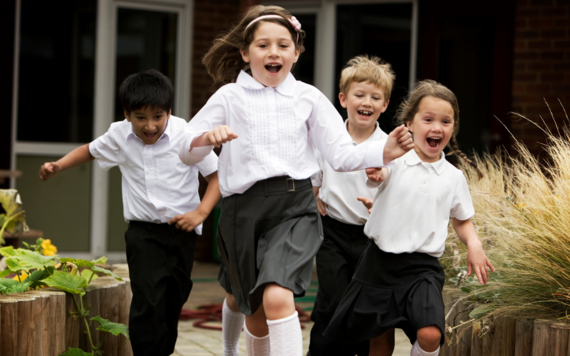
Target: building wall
541, 66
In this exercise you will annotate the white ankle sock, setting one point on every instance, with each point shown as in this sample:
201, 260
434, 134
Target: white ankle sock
417, 351
232, 323
285, 336
256, 346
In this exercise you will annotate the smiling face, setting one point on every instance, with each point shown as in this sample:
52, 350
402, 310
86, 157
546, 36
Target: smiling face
364, 103
432, 127
148, 123
271, 54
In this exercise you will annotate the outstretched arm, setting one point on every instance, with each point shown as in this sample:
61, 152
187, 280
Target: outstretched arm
191, 219
476, 259
74, 158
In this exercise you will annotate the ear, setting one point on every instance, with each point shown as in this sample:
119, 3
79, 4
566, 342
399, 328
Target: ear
408, 124
342, 99
244, 55
297, 54
127, 115
385, 105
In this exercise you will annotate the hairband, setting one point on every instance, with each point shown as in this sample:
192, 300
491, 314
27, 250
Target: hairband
294, 22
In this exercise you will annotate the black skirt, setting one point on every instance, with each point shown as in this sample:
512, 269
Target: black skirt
268, 234
390, 291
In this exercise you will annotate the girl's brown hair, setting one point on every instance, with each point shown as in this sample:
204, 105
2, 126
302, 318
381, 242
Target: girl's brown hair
410, 107
224, 62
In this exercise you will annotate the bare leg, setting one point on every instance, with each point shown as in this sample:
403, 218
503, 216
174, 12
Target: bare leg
283, 321
429, 338
383, 345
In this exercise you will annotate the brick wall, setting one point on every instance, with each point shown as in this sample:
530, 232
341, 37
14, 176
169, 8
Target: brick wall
541, 66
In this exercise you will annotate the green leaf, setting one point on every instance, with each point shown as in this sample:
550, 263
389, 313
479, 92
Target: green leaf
110, 327
26, 244
482, 311
107, 272
38, 275
6, 272
67, 282
21, 259
466, 289
84, 263
86, 273
14, 220
76, 352
18, 288
8, 282
7, 251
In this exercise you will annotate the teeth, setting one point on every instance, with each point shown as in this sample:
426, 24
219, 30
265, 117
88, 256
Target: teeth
366, 112
274, 65
435, 138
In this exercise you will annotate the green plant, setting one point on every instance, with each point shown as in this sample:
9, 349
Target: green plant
60, 273
13, 220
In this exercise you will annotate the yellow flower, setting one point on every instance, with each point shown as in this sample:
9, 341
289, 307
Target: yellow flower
22, 277
48, 249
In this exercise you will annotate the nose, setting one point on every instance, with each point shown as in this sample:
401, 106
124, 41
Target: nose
273, 50
367, 101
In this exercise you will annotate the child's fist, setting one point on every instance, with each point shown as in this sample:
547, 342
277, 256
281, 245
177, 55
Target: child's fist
398, 143
322, 207
219, 135
375, 175
367, 202
48, 170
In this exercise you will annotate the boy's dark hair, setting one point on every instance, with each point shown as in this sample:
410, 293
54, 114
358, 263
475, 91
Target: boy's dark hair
146, 89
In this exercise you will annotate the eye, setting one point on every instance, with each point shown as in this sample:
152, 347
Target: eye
263, 46
375, 98
359, 95
428, 119
140, 118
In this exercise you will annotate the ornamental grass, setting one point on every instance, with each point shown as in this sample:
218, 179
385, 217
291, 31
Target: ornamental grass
522, 217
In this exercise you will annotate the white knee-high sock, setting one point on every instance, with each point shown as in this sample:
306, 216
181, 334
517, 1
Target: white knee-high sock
256, 346
417, 351
232, 323
285, 336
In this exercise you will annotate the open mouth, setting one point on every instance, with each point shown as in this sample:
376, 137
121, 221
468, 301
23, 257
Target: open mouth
434, 142
364, 113
273, 67
149, 135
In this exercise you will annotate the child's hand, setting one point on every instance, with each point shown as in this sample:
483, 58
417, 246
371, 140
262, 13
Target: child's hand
367, 202
188, 221
48, 170
321, 206
477, 261
399, 142
219, 135
375, 175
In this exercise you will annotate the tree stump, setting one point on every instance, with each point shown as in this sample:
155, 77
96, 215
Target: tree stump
476, 341
125, 297
59, 316
44, 324
559, 338
109, 310
72, 322
524, 336
26, 324
92, 302
541, 337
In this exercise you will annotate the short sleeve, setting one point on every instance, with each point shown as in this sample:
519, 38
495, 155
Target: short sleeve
208, 165
105, 148
462, 205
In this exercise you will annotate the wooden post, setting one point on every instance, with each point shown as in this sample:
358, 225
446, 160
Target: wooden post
72, 322
463, 339
509, 336
487, 343
497, 346
448, 302
110, 311
541, 337
92, 303
59, 316
476, 341
559, 339
125, 297
26, 324
8, 325
524, 336
44, 323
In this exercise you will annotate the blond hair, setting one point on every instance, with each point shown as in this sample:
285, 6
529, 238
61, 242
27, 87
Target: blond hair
409, 107
224, 61
368, 69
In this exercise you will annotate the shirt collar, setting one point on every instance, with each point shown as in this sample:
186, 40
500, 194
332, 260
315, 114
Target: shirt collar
412, 159
374, 134
286, 88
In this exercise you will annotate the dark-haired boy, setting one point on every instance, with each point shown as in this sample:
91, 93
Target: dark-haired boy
160, 201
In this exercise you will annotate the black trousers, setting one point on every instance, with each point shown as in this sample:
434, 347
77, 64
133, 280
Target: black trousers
336, 262
160, 259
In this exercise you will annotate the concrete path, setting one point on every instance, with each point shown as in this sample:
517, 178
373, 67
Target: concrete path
193, 341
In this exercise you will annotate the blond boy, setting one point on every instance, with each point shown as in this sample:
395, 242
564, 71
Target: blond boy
365, 87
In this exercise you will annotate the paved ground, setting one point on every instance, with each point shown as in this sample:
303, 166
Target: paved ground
206, 291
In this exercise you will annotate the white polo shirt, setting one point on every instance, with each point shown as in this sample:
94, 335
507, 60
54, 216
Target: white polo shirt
339, 190
156, 185
278, 130
413, 206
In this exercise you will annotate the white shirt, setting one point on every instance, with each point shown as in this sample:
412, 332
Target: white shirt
156, 185
278, 129
339, 190
413, 205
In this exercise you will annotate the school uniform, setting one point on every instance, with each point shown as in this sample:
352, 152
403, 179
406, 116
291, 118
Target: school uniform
156, 186
398, 281
269, 229
344, 241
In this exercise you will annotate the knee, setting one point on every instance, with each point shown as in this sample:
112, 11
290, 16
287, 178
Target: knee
231, 303
429, 337
278, 302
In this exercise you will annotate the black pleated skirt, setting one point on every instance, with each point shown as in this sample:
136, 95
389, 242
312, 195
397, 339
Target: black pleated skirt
390, 291
268, 234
